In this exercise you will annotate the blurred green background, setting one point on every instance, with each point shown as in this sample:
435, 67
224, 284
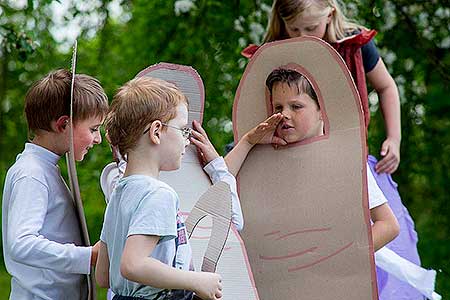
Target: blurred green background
117, 39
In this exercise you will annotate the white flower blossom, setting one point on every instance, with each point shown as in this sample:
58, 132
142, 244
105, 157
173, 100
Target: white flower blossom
256, 32
183, 6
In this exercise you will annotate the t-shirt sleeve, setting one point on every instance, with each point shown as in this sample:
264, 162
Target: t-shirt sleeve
370, 56
376, 196
156, 214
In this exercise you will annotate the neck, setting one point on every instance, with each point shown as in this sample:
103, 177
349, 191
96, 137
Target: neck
140, 163
51, 141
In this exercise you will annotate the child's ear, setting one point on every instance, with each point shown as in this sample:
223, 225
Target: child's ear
155, 132
62, 123
330, 15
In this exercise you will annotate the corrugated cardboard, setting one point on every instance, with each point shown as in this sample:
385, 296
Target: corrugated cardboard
191, 182
307, 228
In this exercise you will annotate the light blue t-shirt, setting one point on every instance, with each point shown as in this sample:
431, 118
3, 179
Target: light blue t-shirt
143, 205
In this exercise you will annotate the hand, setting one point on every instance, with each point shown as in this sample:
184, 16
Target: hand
209, 286
391, 152
205, 149
264, 133
94, 253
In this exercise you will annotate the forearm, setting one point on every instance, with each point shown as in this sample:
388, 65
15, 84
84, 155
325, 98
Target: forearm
39, 252
218, 171
237, 156
390, 106
152, 272
383, 232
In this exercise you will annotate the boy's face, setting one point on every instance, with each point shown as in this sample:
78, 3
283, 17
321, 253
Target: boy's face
172, 141
302, 116
86, 133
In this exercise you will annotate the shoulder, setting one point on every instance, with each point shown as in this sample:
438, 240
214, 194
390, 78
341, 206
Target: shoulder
146, 187
28, 169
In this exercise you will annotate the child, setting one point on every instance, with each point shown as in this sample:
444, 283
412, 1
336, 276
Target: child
40, 227
324, 19
147, 123
298, 117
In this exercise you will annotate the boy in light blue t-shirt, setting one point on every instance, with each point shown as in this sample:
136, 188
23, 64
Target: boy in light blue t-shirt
144, 249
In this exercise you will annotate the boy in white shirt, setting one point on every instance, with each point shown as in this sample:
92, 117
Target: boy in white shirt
147, 123
41, 232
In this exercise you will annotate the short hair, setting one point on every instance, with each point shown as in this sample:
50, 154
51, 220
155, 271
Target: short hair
49, 98
136, 105
291, 77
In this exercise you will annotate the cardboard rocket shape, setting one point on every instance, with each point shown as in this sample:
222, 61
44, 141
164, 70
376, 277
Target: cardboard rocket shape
208, 207
307, 227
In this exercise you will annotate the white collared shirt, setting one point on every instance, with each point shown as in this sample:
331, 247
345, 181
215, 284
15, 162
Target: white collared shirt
41, 231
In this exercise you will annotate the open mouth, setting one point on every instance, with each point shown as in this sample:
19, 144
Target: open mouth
286, 127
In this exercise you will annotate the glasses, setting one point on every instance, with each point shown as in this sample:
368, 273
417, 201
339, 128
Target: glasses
186, 132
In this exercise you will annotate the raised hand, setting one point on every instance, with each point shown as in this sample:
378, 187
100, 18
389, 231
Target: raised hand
205, 148
390, 150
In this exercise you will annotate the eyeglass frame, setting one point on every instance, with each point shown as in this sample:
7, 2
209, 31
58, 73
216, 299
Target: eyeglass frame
186, 132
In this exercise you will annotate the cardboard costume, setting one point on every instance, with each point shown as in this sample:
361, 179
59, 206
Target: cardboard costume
73, 182
191, 184
307, 232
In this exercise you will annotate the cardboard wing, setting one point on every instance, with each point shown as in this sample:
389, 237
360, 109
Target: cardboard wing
307, 228
73, 181
191, 182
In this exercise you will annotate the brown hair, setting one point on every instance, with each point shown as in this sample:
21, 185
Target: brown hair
136, 105
286, 10
49, 98
291, 77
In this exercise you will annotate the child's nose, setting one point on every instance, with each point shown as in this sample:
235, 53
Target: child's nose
97, 138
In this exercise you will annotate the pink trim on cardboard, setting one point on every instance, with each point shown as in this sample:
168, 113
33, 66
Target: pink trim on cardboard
247, 262
347, 74
181, 68
303, 231
272, 233
320, 259
197, 237
291, 255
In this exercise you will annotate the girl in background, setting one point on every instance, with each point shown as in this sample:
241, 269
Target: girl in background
324, 19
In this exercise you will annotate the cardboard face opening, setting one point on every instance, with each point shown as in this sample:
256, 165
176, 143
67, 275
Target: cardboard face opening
291, 90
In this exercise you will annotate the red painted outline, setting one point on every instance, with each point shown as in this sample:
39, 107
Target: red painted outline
303, 231
320, 259
291, 255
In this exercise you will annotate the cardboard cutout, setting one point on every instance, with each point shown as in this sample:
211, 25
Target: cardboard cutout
190, 182
73, 180
307, 232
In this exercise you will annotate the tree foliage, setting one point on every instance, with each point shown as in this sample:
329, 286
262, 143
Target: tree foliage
119, 38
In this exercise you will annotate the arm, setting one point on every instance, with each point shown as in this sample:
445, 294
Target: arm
385, 226
217, 171
102, 267
27, 212
137, 266
261, 134
387, 91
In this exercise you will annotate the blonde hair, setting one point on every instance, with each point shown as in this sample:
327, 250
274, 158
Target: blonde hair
49, 98
136, 105
286, 10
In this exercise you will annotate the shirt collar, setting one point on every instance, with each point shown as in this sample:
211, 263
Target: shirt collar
41, 152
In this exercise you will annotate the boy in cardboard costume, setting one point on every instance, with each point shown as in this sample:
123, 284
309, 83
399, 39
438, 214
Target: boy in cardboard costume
308, 231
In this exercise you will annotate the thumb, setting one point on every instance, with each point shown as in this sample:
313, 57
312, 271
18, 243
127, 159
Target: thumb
278, 141
384, 149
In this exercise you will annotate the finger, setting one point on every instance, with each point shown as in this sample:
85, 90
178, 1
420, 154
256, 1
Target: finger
199, 127
278, 141
384, 149
388, 165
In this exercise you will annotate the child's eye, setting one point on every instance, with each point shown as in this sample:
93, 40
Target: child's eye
278, 108
94, 129
311, 28
296, 106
